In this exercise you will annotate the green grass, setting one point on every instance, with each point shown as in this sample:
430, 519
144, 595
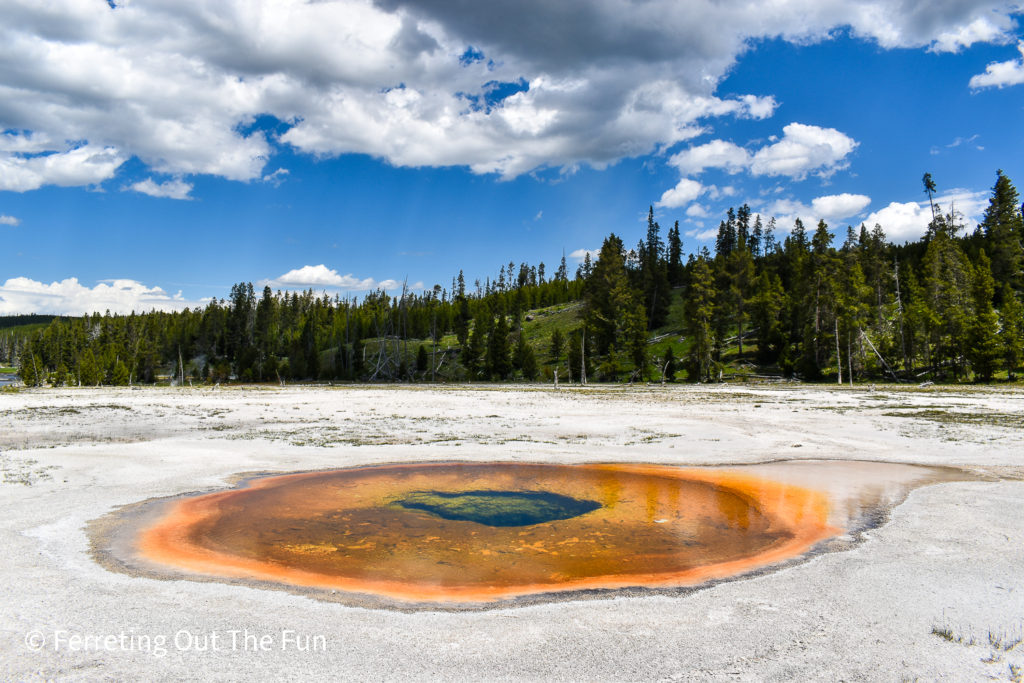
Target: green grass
30, 321
24, 330
538, 331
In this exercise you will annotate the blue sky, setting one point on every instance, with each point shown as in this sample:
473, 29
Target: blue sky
155, 153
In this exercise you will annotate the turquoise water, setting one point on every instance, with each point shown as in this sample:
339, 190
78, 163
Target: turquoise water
498, 508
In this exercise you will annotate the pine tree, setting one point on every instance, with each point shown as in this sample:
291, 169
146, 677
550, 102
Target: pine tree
557, 344
983, 343
1011, 335
726, 241
947, 295
88, 371
1004, 231
601, 309
462, 318
30, 368
654, 274
474, 351
59, 376
631, 328
740, 277
699, 314
767, 307
264, 333
119, 375
757, 238
676, 271
499, 357
422, 360
851, 298
525, 359
929, 189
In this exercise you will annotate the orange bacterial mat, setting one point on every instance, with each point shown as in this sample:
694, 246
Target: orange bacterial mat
481, 532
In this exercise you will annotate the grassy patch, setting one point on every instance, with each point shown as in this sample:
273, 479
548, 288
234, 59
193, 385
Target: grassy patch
992, 419
999, 641
24, 472
543, 323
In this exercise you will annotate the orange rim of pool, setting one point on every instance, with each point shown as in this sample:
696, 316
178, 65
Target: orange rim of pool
483, 532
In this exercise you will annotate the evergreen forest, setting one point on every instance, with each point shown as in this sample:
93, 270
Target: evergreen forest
804, 302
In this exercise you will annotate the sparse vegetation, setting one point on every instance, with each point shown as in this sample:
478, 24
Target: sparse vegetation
998, 642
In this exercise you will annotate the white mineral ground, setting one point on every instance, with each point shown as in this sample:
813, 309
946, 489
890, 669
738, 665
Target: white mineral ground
950, 557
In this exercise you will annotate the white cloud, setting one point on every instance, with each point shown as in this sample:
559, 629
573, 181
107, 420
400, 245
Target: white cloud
837, 206
580, 254
697, 211
322, 276
984, 29
9, 220
1001, 74
830, 208
70, 297
904, 221
702, 235
24, 143
277, 177
85, 165
715, 154
171, 189
935, 150
901, 221
804, 149
180, 84
684, 192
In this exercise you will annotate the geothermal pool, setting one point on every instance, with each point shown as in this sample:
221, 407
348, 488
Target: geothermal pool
476, 533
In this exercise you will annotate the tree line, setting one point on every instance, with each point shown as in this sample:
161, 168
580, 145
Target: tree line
947, 307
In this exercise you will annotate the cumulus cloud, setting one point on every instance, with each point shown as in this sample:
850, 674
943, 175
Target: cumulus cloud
983, 29
802, 149
905, 221
9, 220
70, 297
85, 165
1001, 74
837, 206
830, 208
322, 276
184, 85
581, 254
702, 235
684, 192
715, 154
171, 189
